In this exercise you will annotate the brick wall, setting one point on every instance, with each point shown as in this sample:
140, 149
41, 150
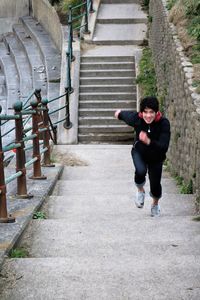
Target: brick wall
174, 73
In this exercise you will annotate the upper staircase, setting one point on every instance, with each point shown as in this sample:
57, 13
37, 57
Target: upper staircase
106, 83
108, 72
120, 23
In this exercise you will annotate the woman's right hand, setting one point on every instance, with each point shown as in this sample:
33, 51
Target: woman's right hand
117, 112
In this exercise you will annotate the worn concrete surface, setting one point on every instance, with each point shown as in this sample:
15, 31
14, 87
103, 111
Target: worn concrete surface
23, 209
95, 243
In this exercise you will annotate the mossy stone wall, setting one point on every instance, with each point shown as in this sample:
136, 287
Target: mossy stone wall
174, 74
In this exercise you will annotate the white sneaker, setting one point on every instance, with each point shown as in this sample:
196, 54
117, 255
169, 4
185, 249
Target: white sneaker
155, 210
139, 200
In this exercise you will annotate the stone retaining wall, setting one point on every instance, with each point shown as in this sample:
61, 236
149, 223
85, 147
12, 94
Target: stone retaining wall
174, 74
10, 11
47, 16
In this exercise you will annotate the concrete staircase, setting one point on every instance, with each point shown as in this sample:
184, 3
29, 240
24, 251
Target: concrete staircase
120, 23
95, 243
106, 83
28, 60
108, 72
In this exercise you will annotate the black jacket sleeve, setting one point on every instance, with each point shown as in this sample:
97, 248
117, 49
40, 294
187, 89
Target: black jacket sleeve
129, 117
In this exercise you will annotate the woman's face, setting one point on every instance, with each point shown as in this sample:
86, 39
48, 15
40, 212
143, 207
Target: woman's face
149, 115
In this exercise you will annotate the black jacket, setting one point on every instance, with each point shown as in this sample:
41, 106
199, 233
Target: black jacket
158, 132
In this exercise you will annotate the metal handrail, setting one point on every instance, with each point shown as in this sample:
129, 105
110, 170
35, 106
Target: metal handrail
42, 126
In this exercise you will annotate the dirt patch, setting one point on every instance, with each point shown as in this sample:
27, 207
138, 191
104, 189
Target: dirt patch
68, 159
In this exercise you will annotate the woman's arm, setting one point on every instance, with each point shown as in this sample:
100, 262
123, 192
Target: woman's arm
129, 117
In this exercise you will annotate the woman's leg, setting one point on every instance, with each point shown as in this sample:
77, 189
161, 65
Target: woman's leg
140, 169
155, 172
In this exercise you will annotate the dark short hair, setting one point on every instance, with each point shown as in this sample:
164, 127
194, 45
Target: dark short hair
149, 102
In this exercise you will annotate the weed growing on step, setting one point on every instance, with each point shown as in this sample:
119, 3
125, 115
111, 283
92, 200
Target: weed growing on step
39, 215
145, 4
185, 188
18, 253
197, 219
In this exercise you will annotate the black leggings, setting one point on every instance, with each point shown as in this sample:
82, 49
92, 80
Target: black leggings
154, 171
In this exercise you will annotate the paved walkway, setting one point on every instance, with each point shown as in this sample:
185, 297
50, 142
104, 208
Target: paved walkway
95, 244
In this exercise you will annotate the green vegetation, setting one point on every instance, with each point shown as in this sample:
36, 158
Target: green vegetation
65, 4
39, 215
62, 8
170, 4
18, 253
147, 75
185, 14
185, 188
145, 4
197, 218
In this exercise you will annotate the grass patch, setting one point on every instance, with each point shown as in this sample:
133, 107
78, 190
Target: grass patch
39, 215
197, 218
18, 253
147, 75
185, 188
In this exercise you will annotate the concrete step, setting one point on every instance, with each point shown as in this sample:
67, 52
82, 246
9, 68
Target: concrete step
98, 120
61, 207
107, 80
120, 1
34, 55
87, 129
51, 56
120, 34
106, 104
96, 112
21, 62
99, 58
107, 96
107, 73
121, 13
121, 21
108, 88
110, 187
106, 138
107, 65
2, 85
105, 270
11, 75
3, 95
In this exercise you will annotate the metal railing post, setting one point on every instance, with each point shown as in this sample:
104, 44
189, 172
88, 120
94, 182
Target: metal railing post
71, 37
37, 174
37, 94
38, 97
46, 136
69, 82
91, 7
67, 124
20, 153
86, 30
4, 218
